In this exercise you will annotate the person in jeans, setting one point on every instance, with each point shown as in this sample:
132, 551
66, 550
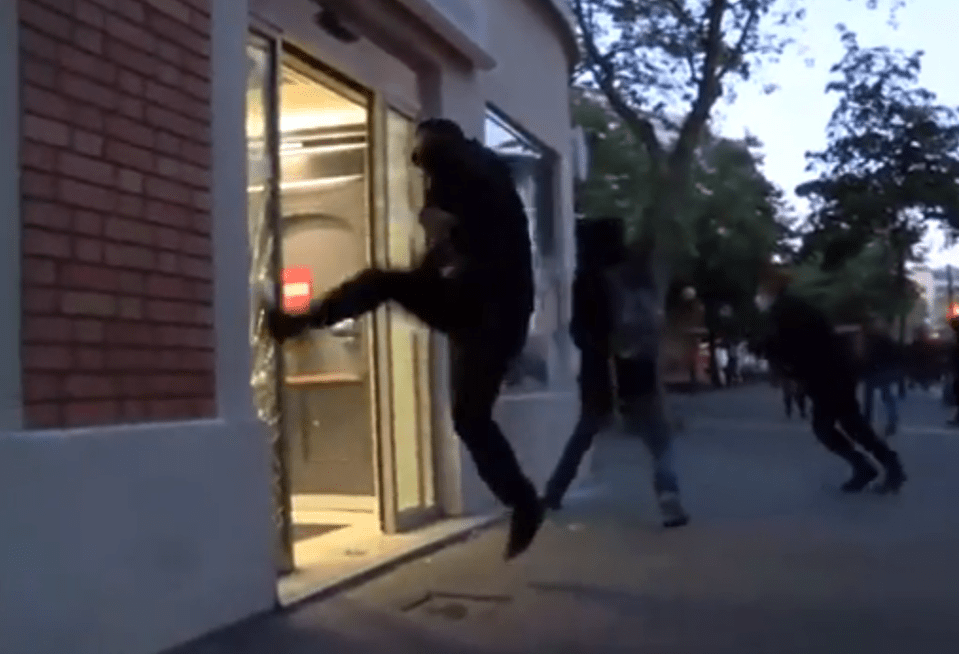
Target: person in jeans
607, 380
881, 372
954, 323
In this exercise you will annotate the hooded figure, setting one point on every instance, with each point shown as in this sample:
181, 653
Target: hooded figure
803, 344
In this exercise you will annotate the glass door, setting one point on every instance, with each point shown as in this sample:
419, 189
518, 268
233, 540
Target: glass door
262, 215
408, 470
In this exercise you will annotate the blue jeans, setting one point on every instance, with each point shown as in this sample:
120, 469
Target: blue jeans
883, 382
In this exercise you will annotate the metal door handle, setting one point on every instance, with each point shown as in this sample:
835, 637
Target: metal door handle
348, 328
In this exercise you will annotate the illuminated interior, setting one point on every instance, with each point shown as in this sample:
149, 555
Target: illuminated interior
331, 401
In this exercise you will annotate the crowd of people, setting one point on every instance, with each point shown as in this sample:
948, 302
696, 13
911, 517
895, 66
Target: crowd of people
475, 284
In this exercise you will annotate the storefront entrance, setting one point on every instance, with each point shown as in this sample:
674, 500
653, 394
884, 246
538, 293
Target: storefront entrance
331, 191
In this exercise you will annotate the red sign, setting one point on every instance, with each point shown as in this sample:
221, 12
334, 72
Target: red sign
297, 289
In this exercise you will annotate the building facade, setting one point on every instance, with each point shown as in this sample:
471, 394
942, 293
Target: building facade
163, 465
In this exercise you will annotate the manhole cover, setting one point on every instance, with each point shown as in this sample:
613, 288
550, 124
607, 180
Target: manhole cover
456, 606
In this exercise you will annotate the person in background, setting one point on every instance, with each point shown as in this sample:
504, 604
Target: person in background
881, 370
954, 323
722, 364
611, 375
805, 346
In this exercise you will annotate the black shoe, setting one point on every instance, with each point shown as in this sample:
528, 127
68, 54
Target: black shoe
526, 520
283, 326
895, 478
862, 477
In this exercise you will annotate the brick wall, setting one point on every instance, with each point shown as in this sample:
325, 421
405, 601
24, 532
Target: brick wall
117, 322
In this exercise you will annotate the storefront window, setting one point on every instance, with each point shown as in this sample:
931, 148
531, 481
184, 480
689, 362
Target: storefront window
533, 166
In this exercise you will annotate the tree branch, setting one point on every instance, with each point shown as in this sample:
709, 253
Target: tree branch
737, 52
708, 90
605, 74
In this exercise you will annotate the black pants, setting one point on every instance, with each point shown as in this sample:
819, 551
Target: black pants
482, 345
834, 403
793, 394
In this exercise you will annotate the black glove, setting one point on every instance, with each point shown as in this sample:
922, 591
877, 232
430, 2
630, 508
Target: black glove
283, 326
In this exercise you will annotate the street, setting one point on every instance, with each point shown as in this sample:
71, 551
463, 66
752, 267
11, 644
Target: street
775, 559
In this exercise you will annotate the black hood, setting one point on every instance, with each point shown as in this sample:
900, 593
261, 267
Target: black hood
600, 242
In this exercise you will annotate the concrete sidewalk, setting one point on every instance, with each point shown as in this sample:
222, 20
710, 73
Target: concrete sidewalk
774, 562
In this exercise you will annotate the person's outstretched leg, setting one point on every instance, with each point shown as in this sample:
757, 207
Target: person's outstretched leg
824, 417
596, 410
862, 433
476, 374
892, 410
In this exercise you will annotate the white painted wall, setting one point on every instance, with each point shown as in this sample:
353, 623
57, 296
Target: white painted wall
129, 540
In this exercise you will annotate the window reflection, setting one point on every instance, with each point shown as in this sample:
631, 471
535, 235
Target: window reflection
532, 171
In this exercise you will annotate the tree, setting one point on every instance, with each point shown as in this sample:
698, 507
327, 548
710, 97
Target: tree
892, 160
652, 58
891, 165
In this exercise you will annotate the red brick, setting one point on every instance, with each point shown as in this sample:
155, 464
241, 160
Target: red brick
160, 117
78, 414
168, 262
134, 359
90, 92
45, 244
129, 231
88, 117
44, 130
119, 332
133, 10
131, 282
89, 39
198, 154
47, 357
89, 13
130, 156
86, 196
198, 245
180, 33
196, 267
40, 73
42, 102
46, 329
87, 143
88, 304
201, 200
135, 410
38, 185
95, 67
39, 300
39, 271
130, 181
89, 277
133, 59
170, 75
129, 256
173, 8
45, 214
88, 387
131, 308
129, 131
88, 250
202, 6
168, 143
89, 358
132, 206
88, 169
168, 238
170, 53
166, 286
43, 415
161, 189
130, 33
198, 87
132, 83
60, 6
200, 22
41, 388
88, 331
88, 222
50, 23
168, 409
132, 108
38, 44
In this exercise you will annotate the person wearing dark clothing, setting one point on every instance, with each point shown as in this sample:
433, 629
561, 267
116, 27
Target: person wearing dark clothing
793, 395
805, 345
475, 284
607, 381
881, 371
954, 323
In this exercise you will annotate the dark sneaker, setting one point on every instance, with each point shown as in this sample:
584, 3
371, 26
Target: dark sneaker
862, 477
672, 511
283, 326
525, 522
895, 478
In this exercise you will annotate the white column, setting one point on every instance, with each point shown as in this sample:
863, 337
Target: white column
11, 402
231, 259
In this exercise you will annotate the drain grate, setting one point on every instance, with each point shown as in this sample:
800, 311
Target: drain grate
456, 606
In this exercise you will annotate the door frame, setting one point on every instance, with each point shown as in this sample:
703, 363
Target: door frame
392, 519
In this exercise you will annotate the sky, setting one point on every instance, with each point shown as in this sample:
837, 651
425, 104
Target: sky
792, 120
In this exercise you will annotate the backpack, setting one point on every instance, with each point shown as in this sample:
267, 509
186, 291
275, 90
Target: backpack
634, 314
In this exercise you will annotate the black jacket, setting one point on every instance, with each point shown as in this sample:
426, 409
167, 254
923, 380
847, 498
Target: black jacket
804, 345
489, 236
